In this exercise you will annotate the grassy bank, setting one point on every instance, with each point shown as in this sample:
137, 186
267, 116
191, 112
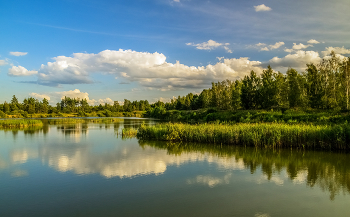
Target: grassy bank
255, 116
81, 120
19, 123
18, 114
258, 135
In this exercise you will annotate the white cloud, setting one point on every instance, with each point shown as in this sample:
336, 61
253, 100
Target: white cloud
209, 45
149, 69
75, 94
288, 50
262, 8
264, 47
300, 46
337, 50
176, 0
277, 45
228, 49
165, 100
40, 96
17, 54
57, 96
104, 101
20, 71
313, 41
297, 60
3, 62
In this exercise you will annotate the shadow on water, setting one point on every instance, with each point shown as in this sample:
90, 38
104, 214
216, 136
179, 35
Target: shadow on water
326, 170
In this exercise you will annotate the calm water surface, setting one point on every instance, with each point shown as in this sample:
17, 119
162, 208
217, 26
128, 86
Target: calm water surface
88, 169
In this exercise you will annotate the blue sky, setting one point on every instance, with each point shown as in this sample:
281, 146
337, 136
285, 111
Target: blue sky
155, 49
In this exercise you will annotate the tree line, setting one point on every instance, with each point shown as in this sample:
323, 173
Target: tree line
68, 105
321, 86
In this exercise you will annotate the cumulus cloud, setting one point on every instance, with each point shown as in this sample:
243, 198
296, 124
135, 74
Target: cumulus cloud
161, 99
288, 50
149, 69
104, 101
17, 54
39, 96
300, 46
312, 41
262, 7
75, 94
57, 96
20, 71
210, 45
337, 50
297, 60
264, 47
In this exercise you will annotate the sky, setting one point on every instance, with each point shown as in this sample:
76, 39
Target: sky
111, 50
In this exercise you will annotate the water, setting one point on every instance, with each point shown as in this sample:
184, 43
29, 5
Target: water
88, 169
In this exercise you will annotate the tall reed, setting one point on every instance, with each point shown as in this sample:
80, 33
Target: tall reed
129, 133
258, 135
18, 123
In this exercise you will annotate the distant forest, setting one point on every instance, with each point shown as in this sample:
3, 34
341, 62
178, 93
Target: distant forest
321, 86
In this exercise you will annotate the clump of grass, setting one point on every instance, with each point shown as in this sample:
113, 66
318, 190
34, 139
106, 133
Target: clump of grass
258, 135
19, 123
129, 133
82, 120
105, 120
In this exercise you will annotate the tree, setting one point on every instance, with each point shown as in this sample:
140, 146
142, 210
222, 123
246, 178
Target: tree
268, 89
236, 95
6, 107
45, 106
127, 105
250, 91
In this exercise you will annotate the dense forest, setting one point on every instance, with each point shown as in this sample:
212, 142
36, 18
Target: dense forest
323, 86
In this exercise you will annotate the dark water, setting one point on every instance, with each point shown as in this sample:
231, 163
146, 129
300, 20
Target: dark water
87, 169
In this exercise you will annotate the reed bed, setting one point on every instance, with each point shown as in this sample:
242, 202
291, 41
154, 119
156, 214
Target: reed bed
258, 135
83, 120
129, 132
20, 123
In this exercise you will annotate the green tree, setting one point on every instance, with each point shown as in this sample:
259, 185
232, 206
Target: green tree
250, 91
45, 106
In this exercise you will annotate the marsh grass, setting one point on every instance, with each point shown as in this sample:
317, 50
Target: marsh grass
19, 123
83, 120
129, 133
248, 134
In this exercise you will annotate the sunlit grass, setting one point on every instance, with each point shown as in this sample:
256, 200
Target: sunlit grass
83, 120
258, 135
18, 123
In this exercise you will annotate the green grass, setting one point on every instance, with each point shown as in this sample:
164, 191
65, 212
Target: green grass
129, 132
82, 120
19, 123
258, 135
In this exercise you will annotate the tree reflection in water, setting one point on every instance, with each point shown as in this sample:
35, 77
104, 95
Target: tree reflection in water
326, 170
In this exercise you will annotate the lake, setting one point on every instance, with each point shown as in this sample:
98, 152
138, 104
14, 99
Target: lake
89, 169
